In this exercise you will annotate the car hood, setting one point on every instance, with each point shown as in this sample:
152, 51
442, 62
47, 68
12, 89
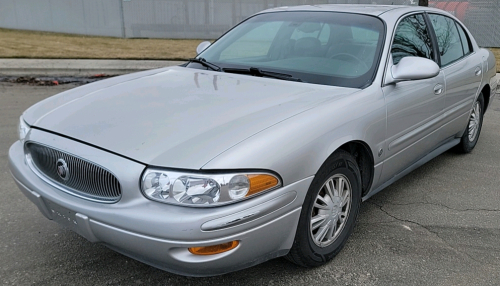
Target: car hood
176, 117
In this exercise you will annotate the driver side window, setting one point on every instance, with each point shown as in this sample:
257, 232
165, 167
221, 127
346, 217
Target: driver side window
412, 39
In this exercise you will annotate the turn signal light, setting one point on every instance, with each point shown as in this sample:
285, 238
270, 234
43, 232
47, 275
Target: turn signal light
214, 249
259, 183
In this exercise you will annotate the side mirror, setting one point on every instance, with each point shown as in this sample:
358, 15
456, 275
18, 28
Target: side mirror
411, 68
202, 46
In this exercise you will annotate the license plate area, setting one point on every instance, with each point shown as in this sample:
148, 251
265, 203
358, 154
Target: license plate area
62, 215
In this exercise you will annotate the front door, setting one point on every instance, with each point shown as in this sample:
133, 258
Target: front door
414, 108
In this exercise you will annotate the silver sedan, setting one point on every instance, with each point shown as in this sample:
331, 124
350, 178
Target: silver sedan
265, 144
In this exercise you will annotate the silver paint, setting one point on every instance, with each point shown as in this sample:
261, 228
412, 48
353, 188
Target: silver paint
199, 120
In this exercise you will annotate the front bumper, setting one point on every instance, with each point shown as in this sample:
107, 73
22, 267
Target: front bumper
160, 234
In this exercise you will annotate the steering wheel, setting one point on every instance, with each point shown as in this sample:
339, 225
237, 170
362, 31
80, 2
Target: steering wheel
349, 56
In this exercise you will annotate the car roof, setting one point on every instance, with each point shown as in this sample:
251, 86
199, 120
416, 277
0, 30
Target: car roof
375, 10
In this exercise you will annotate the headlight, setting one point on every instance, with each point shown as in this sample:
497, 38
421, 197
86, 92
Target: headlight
23, 128
204, 189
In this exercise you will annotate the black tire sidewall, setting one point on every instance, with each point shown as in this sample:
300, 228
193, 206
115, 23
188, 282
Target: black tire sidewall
313, 255
466, 146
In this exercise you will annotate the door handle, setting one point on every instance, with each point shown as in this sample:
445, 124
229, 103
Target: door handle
478, 71
438, 89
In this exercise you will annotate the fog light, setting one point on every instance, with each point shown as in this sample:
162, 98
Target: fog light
214, 249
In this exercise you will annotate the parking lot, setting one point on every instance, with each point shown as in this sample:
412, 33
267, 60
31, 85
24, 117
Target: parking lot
440, 225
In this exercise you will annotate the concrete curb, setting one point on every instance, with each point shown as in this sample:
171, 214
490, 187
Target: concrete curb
55, 67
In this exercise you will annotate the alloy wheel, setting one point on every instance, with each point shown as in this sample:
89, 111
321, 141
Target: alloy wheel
331, 210
474, 121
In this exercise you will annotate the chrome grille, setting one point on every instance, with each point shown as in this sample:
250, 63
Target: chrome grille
83, 178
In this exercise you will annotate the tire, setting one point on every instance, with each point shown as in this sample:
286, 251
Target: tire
323, 209
473, 129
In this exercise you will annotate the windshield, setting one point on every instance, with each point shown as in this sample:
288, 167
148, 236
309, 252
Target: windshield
329, 48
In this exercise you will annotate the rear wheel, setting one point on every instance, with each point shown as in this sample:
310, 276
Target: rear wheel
329, 212
471, 134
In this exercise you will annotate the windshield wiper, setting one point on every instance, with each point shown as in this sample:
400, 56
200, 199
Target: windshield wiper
258, 72
204, 63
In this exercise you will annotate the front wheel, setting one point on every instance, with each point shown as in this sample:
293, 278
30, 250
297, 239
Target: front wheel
471, 134
329, 212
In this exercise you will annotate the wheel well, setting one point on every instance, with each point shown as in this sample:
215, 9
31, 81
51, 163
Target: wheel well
363, 155
486, 96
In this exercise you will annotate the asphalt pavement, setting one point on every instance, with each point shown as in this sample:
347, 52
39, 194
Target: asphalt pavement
439, 225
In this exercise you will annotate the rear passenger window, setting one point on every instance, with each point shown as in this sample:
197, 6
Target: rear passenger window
411, 39
467, 47
449, 43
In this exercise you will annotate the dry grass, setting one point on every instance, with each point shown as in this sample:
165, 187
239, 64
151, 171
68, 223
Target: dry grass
44, 45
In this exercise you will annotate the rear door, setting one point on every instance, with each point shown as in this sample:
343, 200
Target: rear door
463, 71
414, 108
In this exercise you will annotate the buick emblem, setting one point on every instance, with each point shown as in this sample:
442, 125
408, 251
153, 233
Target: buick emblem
62, 169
